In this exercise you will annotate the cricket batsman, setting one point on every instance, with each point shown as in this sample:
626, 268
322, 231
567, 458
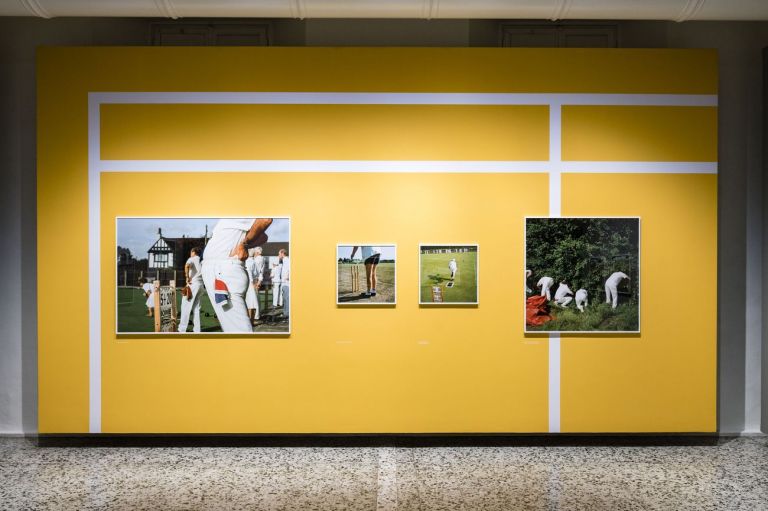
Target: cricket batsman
224, 273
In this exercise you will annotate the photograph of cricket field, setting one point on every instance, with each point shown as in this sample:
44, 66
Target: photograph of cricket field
365, 274
448, 274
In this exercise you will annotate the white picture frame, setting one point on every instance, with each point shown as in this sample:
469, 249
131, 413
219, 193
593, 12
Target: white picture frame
277, 332
595, 297
447, 246
351, 296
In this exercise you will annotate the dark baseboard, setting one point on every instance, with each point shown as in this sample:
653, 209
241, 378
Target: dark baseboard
375, 440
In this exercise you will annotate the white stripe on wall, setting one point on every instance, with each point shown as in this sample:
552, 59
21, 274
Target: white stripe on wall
555, 208
416, 166
554, 383
638, 167
94, 268
554, 167
401, 98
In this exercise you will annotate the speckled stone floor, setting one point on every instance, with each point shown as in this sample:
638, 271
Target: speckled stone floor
730, 476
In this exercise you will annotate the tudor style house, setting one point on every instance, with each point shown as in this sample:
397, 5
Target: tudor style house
172, 253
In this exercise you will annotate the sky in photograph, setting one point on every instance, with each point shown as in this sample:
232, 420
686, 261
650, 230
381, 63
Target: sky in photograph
139, 234
344, 251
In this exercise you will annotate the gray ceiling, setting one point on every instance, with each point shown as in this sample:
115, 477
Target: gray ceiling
675, 10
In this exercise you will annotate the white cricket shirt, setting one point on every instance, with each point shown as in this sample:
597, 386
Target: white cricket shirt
228, 233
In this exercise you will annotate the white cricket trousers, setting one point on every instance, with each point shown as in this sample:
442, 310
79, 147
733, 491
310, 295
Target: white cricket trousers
191, 306
564, 301
611, 295
252, 299
233, 316
286, 300
277, 294
545, 292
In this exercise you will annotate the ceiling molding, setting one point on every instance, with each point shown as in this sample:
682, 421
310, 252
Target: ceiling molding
34, 7
561, 10
166, 7
690, 10
555, 10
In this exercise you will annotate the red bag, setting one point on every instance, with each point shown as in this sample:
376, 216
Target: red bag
537, 311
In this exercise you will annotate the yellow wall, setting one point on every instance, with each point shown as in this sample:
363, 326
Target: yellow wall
324, 132
341, 369
667, 374
639, 133
401, 369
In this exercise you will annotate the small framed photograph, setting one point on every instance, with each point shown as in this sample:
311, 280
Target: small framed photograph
366, 274
582, 275
449, 274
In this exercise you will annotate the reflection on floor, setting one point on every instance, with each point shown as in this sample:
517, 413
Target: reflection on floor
730, 476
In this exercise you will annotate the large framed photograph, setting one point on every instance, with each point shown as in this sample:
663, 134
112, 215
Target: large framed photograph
203, 275
366, 274
448, 274
582, 275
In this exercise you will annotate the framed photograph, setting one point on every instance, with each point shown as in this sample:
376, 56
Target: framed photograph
582, 275
194, 276
449, 274
366, 274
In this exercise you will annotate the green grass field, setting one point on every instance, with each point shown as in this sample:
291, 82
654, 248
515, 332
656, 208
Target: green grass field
595, 318
435, 272
132, 318
385, 287
132, 312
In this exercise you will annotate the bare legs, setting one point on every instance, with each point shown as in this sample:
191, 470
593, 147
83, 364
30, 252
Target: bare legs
370, 276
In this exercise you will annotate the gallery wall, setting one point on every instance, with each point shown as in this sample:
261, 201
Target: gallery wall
638, 131
739, 45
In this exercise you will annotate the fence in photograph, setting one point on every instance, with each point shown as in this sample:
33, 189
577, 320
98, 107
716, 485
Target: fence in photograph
131, 277
166, 317
447, 250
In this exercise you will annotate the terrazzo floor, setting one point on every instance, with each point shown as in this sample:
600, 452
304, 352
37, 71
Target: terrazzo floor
730, 476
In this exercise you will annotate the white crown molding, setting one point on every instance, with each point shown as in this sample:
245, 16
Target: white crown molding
689, 10
167, 9
34, 7
561, 10
555, 10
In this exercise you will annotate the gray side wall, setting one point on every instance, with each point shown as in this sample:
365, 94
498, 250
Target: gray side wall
743, 219
764, 371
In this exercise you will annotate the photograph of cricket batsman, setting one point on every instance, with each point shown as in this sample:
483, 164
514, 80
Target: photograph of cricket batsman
366, 274
203, 275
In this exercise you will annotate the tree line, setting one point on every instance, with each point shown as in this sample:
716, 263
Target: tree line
584, 252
